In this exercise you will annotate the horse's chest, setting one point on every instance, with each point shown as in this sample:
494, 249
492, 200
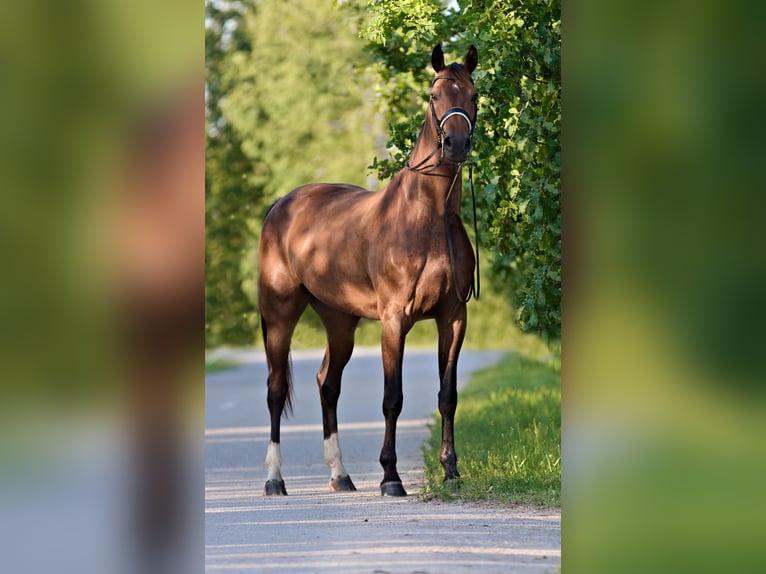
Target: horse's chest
415, 273
426, 287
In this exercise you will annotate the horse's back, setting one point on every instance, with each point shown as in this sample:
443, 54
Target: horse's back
315, 204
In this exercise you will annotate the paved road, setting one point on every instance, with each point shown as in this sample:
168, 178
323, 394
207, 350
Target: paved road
314, 530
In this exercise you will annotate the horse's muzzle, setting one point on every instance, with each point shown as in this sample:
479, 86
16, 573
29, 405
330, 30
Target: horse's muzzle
456, 147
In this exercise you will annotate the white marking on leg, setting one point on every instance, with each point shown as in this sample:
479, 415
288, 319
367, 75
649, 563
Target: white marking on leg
333, 457
274, 462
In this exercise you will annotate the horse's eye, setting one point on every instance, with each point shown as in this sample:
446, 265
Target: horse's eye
434, 97
475, 98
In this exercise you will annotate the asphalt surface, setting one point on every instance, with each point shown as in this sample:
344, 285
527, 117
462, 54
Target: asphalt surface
315, 530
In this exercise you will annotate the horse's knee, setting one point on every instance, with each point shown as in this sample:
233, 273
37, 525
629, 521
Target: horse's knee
393, 400
447, 402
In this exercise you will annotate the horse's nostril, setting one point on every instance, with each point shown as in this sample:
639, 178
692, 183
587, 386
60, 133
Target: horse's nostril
456, 145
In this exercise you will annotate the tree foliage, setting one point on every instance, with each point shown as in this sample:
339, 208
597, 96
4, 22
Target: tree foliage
517, 149
230, 195
297, 101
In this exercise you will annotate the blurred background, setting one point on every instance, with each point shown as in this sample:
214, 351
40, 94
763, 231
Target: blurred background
108, 112
101, 297
663, 369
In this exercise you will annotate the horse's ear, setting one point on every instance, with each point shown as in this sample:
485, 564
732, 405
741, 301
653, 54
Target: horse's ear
437, 58
471, 59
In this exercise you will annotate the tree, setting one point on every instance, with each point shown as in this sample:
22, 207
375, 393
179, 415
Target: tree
300, 104
230, 193
517, 148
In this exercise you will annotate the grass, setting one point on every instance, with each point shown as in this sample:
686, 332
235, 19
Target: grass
507, 436
218, 365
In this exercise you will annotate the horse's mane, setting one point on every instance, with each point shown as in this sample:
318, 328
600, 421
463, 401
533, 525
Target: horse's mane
459, 72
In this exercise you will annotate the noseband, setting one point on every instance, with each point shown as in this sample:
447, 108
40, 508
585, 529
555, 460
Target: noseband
439, 125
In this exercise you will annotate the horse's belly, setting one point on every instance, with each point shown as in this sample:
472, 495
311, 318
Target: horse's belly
354, 299
350, 292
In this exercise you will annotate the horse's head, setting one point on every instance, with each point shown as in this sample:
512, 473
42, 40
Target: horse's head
453, 103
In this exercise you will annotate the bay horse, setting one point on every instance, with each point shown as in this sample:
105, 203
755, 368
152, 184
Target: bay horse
399, 255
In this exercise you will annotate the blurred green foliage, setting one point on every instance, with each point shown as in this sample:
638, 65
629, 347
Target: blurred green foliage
231, 197
79, 81
676, 208
100, 148
664, 364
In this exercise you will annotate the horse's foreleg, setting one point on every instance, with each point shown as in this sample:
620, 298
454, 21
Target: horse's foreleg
392, 346
340, 344
451, 333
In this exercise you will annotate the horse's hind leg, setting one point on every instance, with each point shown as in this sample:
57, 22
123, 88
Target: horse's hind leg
279, 315
340, 329
451, 333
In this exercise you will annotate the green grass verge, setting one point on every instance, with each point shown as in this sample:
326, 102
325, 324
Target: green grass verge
218, 365
507, 436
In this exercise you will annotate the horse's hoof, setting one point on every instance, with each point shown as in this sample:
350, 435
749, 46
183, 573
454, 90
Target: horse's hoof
274, 487
342, 484
453, 483
393, 488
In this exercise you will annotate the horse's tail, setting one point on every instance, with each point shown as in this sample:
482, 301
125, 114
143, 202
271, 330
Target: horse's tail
288, 408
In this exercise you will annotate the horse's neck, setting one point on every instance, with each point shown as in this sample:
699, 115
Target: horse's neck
445, 190
420, 198
441, 184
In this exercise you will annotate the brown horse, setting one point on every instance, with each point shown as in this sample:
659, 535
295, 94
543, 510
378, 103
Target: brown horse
399, 255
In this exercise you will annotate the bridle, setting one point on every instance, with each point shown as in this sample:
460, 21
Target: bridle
424, 169
421, 166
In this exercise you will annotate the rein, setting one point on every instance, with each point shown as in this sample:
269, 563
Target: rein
475, 282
